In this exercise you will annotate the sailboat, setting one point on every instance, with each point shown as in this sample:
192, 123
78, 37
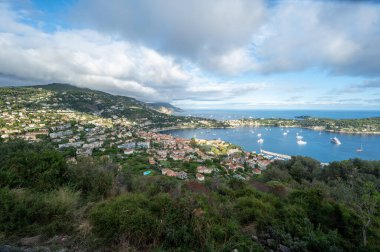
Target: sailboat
360, 149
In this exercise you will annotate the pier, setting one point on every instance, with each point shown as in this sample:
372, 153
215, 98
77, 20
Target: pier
269, 153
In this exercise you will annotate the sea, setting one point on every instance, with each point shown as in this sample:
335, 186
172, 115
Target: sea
286, 114
318, 144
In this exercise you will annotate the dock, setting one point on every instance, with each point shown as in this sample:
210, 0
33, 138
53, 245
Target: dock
269, 153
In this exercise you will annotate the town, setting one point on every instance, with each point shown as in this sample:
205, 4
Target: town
126, 141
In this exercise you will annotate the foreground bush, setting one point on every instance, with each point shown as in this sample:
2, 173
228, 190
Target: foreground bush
27, 165
27, 212
163, 222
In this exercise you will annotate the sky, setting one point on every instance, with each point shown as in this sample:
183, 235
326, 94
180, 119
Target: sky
214, 54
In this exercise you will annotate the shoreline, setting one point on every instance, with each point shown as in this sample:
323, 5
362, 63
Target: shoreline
248, 126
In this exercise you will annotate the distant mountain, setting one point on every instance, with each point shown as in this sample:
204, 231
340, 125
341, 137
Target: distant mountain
103, 104
164, 107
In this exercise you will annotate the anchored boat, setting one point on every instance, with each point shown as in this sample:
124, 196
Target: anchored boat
335, 140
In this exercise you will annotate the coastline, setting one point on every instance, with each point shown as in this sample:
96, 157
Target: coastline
294, 126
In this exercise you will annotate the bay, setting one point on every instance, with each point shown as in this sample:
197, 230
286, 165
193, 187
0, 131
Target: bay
318, 143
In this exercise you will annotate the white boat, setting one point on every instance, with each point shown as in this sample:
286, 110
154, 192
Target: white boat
259, 135
335, 140
301, 142
299, 137
285, 133
360, 149
260, 141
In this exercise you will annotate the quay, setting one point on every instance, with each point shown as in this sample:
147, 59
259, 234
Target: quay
269, 153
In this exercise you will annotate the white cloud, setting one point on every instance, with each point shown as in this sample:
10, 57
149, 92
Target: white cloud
190, 51
339, 36
236, 36
91, 59
211, 33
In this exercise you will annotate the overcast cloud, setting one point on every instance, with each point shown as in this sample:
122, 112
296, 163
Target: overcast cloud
193, 51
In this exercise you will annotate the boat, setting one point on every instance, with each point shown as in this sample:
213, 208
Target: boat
285, 133
259, 135
260, 141
335, 140
299, 137
301, 142
360, 149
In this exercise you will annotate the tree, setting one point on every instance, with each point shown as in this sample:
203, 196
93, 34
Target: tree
366, 201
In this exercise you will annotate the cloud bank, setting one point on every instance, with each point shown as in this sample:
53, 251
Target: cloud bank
192, 51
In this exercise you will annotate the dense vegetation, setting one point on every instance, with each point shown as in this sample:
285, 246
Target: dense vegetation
294, 205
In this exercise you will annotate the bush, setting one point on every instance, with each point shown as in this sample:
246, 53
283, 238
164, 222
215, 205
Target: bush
29, 165
94, 179
134, 216
28, 212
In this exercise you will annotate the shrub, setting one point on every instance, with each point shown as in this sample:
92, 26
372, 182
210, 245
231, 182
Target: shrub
94, 179
134, 216
28, 212
29, 165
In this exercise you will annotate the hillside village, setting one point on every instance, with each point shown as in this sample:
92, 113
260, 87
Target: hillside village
43, 115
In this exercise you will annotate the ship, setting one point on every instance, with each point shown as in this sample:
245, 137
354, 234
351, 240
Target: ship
260, 141
285, 133
299, 137
335, 140
259, 135
301, 142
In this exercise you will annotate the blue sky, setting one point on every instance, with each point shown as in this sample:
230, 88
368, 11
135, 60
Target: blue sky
235, 54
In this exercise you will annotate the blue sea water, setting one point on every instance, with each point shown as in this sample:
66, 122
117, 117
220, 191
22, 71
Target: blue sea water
287, 114
318, 143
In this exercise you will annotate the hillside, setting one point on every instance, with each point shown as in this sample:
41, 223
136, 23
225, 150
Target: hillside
97, 102
64, 97
164, 107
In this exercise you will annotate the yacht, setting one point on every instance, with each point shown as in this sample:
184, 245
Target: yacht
299, 137
285, 133
260, 141
335, 140
259, 135
301, 142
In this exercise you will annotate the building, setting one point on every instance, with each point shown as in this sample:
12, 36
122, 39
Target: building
168, 172
182, 175
256, 171
200, 177
128, 151
204, 170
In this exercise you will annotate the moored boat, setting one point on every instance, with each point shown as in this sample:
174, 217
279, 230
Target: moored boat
335, 140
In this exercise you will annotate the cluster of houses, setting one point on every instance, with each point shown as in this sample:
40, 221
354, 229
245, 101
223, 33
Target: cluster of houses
88, 133
161, 147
